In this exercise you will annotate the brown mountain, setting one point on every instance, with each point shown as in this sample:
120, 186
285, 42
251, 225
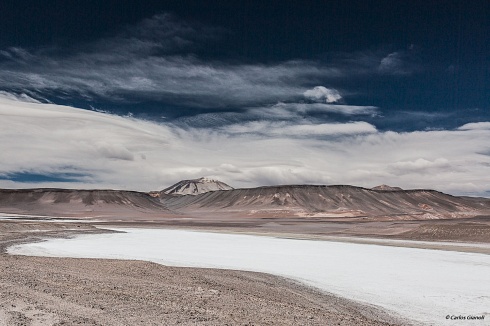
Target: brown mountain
76, 203
331, 201
285, 201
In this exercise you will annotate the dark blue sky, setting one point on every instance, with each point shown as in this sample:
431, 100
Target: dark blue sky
435, 73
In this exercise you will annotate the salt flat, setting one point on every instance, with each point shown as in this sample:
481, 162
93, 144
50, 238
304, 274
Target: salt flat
419, 284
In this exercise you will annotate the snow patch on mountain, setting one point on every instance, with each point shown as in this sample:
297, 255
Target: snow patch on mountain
386, 188
196, 187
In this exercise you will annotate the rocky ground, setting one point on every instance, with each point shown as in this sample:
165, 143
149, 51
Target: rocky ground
65, 291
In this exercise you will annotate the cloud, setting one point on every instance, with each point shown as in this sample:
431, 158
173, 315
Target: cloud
295, 109
475, 126
16, 54
320, 93
162, 33
421, 166
158, 60
155, 60
114, 151
174, 79
18, 97
284, 129
289, 112
396, 63
87, 149
372, 63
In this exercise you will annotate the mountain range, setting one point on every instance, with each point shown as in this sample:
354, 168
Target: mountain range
204, 196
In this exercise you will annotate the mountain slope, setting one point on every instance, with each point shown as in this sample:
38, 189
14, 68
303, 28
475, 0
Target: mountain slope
195, 187
282, 201
341, 201
70, 202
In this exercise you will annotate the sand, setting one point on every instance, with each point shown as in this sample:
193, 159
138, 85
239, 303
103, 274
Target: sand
68, 291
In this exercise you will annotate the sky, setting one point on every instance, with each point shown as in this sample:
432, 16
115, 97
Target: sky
141, 94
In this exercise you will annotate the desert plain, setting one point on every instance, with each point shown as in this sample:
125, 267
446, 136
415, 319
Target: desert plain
37, 290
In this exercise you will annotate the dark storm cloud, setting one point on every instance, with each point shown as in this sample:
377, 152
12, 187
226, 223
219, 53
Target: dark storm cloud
156, 60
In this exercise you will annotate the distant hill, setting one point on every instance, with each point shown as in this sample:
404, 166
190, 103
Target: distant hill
195, 187
290, 201
79, 203
331, 201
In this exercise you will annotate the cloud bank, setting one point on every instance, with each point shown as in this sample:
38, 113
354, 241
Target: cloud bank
98, 150
247, 123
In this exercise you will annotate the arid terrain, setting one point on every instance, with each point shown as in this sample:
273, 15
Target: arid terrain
67, 291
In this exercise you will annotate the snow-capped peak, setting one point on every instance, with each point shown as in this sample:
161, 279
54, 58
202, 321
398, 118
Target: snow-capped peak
386, 188
196, 187
205, 180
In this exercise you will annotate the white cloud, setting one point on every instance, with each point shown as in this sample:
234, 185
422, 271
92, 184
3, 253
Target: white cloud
292, 112
286, 129
475, 126
18, 97
294, 109
320, 93
110, 151
114, 151
420, 165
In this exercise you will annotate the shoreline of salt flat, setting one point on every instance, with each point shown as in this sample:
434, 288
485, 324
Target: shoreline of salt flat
346, 292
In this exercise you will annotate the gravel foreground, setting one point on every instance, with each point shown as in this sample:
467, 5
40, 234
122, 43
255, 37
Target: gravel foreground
67, 291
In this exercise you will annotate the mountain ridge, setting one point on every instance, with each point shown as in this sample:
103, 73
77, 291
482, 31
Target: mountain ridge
79, 202
333, 200
344, 201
